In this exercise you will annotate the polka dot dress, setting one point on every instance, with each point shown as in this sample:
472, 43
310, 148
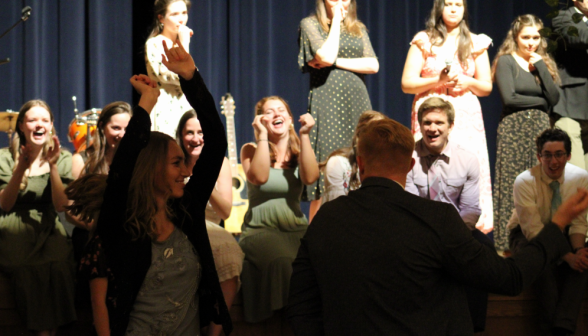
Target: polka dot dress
171, 103
337, 97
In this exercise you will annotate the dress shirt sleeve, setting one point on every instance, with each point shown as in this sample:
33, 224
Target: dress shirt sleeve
305, 309
410, 186
472, 263
505, 79
469, 200
336, 179
579, 224
525, 201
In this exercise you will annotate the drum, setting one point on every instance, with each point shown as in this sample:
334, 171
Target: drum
78, 128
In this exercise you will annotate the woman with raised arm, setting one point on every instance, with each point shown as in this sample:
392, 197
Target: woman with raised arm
449, 61
526, 77
277, 167
336, 50
150, 262
228, 256
169, 24
340, 168
35, 251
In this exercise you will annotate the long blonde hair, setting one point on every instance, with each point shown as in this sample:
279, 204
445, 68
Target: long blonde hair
510, 45
293, 139
437, 31
97, 153
141, 203
20, 138
351, 23
351, 152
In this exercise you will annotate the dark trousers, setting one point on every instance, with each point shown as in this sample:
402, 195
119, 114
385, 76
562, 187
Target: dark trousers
559, 289
478, 299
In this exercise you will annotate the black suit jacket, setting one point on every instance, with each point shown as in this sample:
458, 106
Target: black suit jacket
572, 62
382, 261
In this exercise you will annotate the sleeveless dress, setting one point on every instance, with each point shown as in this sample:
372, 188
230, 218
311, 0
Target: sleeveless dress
35, 251
171, 103
272, 229
337, 97
468, 130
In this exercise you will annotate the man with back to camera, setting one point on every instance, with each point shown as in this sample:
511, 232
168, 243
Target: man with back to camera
572, 60
445, 172
538, 192
382, 261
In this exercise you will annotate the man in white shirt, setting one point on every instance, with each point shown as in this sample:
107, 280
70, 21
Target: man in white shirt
538, 192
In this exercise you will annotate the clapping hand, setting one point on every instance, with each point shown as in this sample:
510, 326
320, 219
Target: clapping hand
306, 123
178, 60
259, 127
53, 154
148, 90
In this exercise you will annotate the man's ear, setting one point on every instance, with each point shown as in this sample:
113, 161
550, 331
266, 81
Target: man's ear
360, 164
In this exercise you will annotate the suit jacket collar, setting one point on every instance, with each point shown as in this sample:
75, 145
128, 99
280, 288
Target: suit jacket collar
381, 182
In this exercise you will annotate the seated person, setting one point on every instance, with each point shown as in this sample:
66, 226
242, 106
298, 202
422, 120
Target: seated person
538, 193
445, 172
381, 261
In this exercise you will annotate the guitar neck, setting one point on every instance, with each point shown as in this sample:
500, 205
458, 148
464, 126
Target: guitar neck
232, 147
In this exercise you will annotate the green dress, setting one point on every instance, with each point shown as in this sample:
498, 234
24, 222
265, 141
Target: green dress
337, 97
35, 252
272, 229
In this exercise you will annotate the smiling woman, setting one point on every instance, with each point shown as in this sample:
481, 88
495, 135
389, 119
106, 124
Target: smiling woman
34, 249
526, 77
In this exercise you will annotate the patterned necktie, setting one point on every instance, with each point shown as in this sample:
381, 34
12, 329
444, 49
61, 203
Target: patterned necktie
555, 198
434, 178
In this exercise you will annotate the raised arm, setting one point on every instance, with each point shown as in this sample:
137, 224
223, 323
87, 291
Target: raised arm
308, 167
208, 166
256, 160
221, 198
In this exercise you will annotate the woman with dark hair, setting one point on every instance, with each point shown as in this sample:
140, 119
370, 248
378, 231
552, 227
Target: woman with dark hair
336, 50
35, 251
277, 166
340, 168
228, 256
526, 76
150, 264
449, 61
169, 23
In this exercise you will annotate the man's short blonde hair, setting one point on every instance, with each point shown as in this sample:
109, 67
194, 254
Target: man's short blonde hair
436, 103
386, 145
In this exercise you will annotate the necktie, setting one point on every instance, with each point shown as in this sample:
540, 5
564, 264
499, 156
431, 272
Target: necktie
434, 178
555, 198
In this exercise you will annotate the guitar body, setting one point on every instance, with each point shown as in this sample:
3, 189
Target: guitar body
240, 202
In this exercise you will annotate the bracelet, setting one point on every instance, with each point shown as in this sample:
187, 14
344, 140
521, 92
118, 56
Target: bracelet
258, 141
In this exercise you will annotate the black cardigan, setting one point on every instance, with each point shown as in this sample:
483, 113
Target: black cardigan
128, 259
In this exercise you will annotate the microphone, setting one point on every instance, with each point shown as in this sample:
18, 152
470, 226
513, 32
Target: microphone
448, 63
26, 13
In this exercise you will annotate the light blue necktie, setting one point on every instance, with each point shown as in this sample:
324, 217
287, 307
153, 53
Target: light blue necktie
555, 198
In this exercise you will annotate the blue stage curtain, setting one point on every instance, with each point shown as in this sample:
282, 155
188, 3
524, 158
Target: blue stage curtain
247, 47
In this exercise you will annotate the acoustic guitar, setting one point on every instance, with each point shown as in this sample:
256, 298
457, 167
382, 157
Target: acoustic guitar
240, 201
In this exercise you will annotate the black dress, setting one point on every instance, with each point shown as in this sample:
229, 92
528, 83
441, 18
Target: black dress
128, 259
526, 104
337, 97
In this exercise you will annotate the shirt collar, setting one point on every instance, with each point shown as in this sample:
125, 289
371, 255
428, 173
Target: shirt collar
382, 181
423, 151
547, 180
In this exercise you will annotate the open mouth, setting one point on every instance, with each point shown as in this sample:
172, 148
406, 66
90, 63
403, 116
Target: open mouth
278, 123
433, 138
39, 134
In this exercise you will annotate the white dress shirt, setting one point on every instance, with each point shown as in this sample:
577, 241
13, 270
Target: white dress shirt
532, 199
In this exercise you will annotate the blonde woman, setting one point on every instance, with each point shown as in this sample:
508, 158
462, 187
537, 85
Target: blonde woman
277, 167
35, 251
526, 77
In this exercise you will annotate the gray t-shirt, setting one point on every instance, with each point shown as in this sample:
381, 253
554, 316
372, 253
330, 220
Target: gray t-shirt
167, 303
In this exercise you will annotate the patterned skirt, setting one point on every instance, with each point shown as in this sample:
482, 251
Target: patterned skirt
515, 153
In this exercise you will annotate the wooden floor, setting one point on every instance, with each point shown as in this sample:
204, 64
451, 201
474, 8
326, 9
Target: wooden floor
507, 316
